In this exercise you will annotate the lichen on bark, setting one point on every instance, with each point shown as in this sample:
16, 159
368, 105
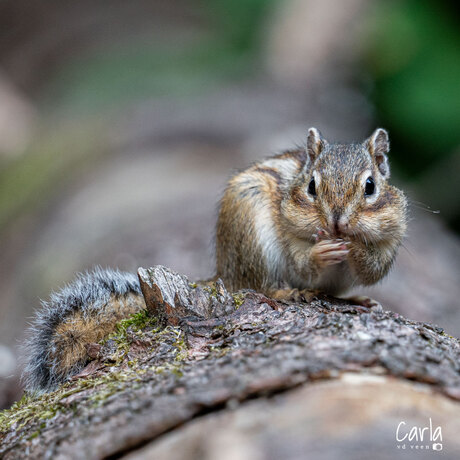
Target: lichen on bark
153, 376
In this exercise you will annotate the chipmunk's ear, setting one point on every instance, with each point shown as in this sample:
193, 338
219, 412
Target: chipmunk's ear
378, 146
315, 143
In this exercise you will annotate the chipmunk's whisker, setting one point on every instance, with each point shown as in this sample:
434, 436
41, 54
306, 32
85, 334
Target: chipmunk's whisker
423, 206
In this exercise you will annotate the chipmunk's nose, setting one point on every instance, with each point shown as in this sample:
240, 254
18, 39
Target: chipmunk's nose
340, 224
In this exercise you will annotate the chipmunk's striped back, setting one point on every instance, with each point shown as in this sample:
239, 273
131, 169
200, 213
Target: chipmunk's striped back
249, 252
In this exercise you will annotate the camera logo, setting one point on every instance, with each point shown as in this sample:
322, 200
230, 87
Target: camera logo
419, 437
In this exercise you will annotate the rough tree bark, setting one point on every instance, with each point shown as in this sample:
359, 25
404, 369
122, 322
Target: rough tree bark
209, 374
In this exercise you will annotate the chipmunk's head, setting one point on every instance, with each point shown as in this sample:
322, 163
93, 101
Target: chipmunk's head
343, 191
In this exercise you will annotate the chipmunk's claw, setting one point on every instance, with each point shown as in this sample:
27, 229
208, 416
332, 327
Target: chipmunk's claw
294, 295
330, 252
365, 301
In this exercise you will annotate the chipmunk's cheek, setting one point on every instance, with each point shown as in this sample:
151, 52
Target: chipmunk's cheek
353, 227
323, 221
360, 229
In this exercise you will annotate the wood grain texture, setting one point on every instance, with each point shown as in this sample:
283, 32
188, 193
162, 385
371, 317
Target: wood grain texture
247, 353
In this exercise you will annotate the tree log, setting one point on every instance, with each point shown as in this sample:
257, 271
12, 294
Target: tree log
210, 374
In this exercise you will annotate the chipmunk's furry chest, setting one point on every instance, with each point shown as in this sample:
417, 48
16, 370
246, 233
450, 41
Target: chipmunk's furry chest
335, 279
294, 271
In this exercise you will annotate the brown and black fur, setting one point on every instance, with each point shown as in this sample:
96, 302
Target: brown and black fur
251, 193
272, 235
83, 312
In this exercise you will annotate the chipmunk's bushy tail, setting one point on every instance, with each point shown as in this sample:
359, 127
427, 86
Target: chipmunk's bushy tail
83, 312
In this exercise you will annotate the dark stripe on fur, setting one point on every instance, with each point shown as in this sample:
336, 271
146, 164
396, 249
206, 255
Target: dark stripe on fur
299, 197
271, 172
384, 200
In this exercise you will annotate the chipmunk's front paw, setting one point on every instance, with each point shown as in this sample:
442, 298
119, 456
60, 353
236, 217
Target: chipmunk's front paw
365, 301
293, 295
329, 252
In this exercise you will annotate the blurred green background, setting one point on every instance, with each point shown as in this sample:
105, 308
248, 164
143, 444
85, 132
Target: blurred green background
120, 122
108, 56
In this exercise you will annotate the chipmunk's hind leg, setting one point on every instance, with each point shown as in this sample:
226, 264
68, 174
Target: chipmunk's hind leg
293, 295
289, 294
365, 301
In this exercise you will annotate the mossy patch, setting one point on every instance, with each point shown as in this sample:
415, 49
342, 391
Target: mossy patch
137, 323
238, 299
211, 290
130, 329
36, 407
140, 327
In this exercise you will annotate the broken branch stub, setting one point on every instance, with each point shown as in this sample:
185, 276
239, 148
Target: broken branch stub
170, 297
166, 293
319, 355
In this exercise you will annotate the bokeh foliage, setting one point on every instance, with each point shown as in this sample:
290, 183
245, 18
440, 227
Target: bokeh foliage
176, 67
414, 60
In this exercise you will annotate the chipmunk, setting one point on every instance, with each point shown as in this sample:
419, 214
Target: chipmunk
322, 217
317, 218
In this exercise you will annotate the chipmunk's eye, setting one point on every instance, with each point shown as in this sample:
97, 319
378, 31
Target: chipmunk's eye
312, 187
369, 188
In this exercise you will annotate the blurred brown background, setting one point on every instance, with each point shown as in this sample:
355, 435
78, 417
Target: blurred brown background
121, 121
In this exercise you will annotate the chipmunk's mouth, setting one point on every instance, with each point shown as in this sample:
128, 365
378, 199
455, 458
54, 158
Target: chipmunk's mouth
339, 227
334, 234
